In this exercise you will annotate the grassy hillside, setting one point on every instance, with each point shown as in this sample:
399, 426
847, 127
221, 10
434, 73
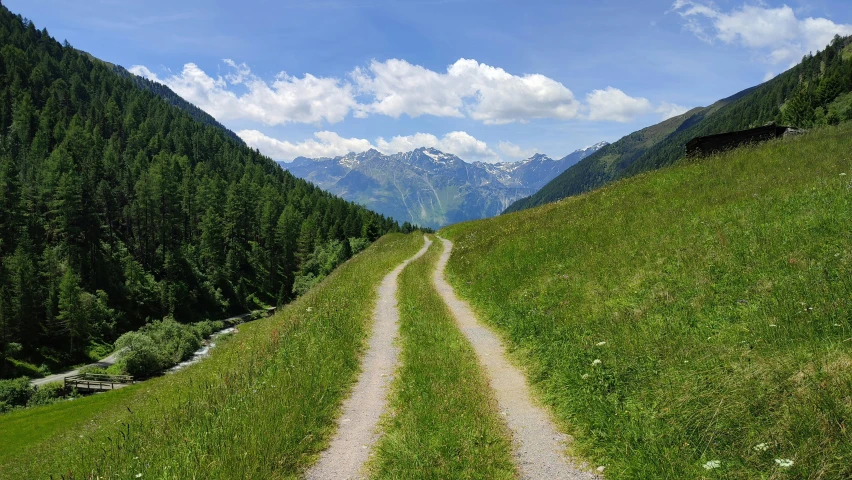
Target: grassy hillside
261, 406
443, 422
812, 93
696, 314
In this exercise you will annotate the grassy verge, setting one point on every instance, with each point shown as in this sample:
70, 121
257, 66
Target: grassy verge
22, 429
443, 421
693, 322
261, 406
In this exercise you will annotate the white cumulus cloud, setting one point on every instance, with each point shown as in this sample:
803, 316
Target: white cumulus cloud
482, 92
467, 89
614, 105
668, 110
330, 144
777, 33
461, 144
288, 99
324, 144
513, 151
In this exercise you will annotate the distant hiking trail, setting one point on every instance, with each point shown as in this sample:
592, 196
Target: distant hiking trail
539, 447
357, 427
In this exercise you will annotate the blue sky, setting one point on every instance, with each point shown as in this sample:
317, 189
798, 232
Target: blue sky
486, 80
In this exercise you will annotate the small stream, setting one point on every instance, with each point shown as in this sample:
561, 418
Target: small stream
202, 352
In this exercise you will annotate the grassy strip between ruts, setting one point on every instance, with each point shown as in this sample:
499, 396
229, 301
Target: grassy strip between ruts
692, 322
261, 406
443, 421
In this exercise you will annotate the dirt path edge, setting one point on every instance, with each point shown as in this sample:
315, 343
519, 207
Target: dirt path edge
539, 447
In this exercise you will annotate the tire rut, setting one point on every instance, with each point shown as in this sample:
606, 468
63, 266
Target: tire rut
539, 447
357, 427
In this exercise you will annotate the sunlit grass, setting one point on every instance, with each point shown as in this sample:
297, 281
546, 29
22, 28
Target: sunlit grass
443, 421
27, 427
261, 406
722, 289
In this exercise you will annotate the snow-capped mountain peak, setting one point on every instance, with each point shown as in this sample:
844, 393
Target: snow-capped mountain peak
595, 147
414, 186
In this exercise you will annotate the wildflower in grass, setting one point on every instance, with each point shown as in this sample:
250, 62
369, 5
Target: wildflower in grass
600, 344
784, 462
761, 447
585, 376
596, 362
712, 464
601, 469
139, 475
310, 309
843, 174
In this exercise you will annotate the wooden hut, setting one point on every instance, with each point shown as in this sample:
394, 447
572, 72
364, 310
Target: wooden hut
699, 146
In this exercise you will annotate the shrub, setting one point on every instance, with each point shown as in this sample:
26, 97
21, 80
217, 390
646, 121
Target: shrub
140, 355
46, 394
358, 244
303, 283
93, 370
19, 368
13, 348
161, 344
15, 392
96, 350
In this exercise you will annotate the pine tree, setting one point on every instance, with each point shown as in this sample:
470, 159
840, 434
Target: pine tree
72, 316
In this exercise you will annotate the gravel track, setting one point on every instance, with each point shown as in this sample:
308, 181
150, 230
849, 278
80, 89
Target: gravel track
539, 447
357, 427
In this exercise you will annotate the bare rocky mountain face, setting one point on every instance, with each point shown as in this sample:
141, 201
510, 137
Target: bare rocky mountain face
431, 188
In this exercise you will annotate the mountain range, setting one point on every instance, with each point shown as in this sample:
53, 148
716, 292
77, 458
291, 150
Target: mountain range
431, 188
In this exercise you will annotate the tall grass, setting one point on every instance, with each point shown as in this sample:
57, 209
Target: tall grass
717, 297
261, 406
443, 421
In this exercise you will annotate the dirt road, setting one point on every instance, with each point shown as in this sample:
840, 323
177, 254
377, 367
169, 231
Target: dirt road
357, 426
538, 444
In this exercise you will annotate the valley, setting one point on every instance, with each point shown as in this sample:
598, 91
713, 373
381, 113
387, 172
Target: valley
633, 310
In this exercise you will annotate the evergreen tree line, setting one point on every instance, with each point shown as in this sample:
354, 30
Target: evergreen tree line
117, 208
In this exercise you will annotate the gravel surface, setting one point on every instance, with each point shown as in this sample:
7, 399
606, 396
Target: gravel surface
357, 430
539, 447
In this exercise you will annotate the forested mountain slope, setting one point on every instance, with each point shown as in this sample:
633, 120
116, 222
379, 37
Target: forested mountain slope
818, 91
172, 98
116, 207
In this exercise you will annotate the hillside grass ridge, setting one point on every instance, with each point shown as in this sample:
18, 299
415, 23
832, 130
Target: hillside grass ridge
693, 322
261, 406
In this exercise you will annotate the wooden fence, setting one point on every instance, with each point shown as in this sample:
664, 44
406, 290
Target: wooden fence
94, 382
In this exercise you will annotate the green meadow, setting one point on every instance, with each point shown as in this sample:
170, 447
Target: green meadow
692, 322
261, 406
443, 421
